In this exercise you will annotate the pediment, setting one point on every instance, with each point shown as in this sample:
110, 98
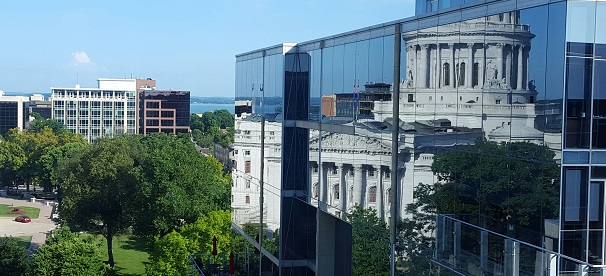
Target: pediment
353, 143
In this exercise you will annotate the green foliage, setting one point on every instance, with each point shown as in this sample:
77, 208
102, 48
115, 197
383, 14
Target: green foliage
68, 254
171, 251
23, 152
176, 186
13, 258
98, 186
39, 123
213, 127
370, 243
12, 158
515, 183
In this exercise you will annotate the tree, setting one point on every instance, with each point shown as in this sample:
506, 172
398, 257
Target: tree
370, 242
50, 162
176, 186
39, 123
12, 157
99, 185
171, 251
13, 258
68, 254
514, 183
35, 145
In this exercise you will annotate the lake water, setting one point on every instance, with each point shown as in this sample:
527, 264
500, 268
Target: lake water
198, 108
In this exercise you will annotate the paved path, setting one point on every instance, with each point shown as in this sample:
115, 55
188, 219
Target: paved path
37, 228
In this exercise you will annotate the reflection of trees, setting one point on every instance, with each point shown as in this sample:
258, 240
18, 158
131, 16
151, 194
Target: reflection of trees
508, 188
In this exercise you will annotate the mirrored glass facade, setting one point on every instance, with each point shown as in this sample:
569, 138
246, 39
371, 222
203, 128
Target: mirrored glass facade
500, 165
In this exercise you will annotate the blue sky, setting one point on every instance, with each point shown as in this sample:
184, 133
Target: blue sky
187, 45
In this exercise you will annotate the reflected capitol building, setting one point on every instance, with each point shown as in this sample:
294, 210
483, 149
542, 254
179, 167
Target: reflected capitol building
462, 81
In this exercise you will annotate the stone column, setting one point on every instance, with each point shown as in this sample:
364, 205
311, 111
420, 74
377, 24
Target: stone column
416, 69
380, 188
323, 187
508, 62
438, 72
400, 207
342, 188
452, 65
358, 185
424, 66
469, 69
482, 70
500, 61
410, 66
520, 67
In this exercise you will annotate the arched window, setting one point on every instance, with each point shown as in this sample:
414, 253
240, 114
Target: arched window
372, 195
446, 74
476, 72
315, 190
461, 75
335, 191
389, 196
430, 98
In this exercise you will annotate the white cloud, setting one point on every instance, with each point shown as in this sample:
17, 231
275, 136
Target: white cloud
81, 58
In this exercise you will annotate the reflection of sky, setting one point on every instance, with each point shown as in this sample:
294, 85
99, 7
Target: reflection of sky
549, 81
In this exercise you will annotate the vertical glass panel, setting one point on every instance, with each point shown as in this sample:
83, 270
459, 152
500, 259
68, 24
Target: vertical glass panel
578, 94
361, 64
580, 21
375, 60
315, 101
596, 205
388, 44
574, 205
599, 104
338, 69
574, 246
600, 25
349, 66
327, 69
595, 254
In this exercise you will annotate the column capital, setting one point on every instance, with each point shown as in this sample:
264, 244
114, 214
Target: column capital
521, 48
450, 45
411, 48
340, 166
470, 45
425, 46
500, 45
358, 167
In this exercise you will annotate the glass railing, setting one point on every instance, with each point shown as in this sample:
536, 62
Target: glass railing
471, 250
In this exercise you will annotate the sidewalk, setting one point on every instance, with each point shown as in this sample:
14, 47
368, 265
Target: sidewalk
38, 228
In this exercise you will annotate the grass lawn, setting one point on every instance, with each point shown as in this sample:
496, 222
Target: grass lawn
24, 241
31, 212
130, 254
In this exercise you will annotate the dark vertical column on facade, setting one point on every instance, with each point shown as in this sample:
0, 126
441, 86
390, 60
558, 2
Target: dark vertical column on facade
395, 136
298, 219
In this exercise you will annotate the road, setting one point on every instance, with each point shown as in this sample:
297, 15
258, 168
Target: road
37, 228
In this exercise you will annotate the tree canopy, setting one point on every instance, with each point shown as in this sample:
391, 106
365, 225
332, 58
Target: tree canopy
13, 258
515, 183
213, 127
99, 185
171, 251
370, 242
68, 254
154, 184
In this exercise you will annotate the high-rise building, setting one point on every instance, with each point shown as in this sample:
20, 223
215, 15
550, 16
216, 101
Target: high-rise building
95, 112
163, 111
498, 113
14, 112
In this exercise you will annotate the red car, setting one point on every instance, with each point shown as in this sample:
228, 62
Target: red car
24, 219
